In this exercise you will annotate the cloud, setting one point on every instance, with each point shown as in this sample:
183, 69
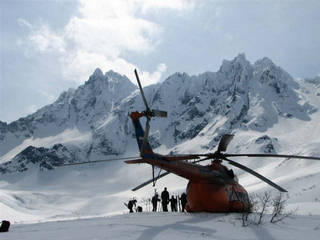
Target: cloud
47, 41
41, 39
152, 78
147, 5
24, 23
110, 28
101, 34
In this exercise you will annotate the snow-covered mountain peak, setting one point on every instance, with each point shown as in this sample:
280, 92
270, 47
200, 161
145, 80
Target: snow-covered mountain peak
266, 72
108, 77
265, 61
111, 82
97, 73
177, 77
241, 59
232, 78
111, 75
230, 67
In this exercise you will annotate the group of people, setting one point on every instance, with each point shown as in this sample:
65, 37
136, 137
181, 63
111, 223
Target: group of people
165, 200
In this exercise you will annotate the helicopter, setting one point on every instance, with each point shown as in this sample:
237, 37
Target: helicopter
212, 187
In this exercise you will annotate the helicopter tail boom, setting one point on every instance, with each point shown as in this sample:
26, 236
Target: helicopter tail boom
142, 141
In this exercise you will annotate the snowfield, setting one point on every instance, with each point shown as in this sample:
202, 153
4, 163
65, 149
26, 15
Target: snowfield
157, 226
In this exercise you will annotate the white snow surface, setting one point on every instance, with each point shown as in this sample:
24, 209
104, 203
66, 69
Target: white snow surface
148, 226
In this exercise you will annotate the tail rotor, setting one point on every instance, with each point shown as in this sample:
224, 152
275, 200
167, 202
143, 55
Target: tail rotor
148, 113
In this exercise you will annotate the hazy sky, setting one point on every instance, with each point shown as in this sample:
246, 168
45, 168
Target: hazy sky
48, 46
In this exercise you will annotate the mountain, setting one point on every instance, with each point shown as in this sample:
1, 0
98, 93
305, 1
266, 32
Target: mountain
266, 109
92, 121
73, 119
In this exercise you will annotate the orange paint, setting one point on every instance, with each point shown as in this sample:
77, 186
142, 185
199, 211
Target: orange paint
207, 197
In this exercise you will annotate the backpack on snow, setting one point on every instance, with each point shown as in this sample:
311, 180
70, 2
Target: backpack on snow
5, 226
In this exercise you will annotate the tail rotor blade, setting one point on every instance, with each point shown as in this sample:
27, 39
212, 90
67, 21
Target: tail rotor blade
149, 113
141, 90
159, 113
255, 174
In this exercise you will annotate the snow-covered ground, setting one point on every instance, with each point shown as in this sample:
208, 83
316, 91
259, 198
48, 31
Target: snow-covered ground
147, 226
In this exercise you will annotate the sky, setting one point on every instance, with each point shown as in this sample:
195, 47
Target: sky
49, 46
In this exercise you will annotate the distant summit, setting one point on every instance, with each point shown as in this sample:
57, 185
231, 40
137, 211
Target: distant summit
97, 73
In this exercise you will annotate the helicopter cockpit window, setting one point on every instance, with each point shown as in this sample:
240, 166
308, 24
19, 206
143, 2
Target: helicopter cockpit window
237, 196
230, 173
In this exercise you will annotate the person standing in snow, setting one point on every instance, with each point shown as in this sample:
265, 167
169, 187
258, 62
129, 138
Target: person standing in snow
155, 199
173, 204
165, 199
183, 200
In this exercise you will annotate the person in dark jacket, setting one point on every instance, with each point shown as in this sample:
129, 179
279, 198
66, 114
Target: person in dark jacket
165, 199
155, 199
131, 204
183, 200
173, 204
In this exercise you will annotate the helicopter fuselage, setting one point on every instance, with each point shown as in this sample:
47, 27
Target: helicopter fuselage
211, 188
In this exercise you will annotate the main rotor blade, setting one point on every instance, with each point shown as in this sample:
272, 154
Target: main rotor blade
255, 174
224, 142
272, 156
141, 90
150, 181
204, 159
98, 161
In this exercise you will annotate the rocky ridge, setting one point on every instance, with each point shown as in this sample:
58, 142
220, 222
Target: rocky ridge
240, 95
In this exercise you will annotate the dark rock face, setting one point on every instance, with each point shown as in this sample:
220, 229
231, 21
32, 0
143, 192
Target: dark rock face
268, 145
46, 158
